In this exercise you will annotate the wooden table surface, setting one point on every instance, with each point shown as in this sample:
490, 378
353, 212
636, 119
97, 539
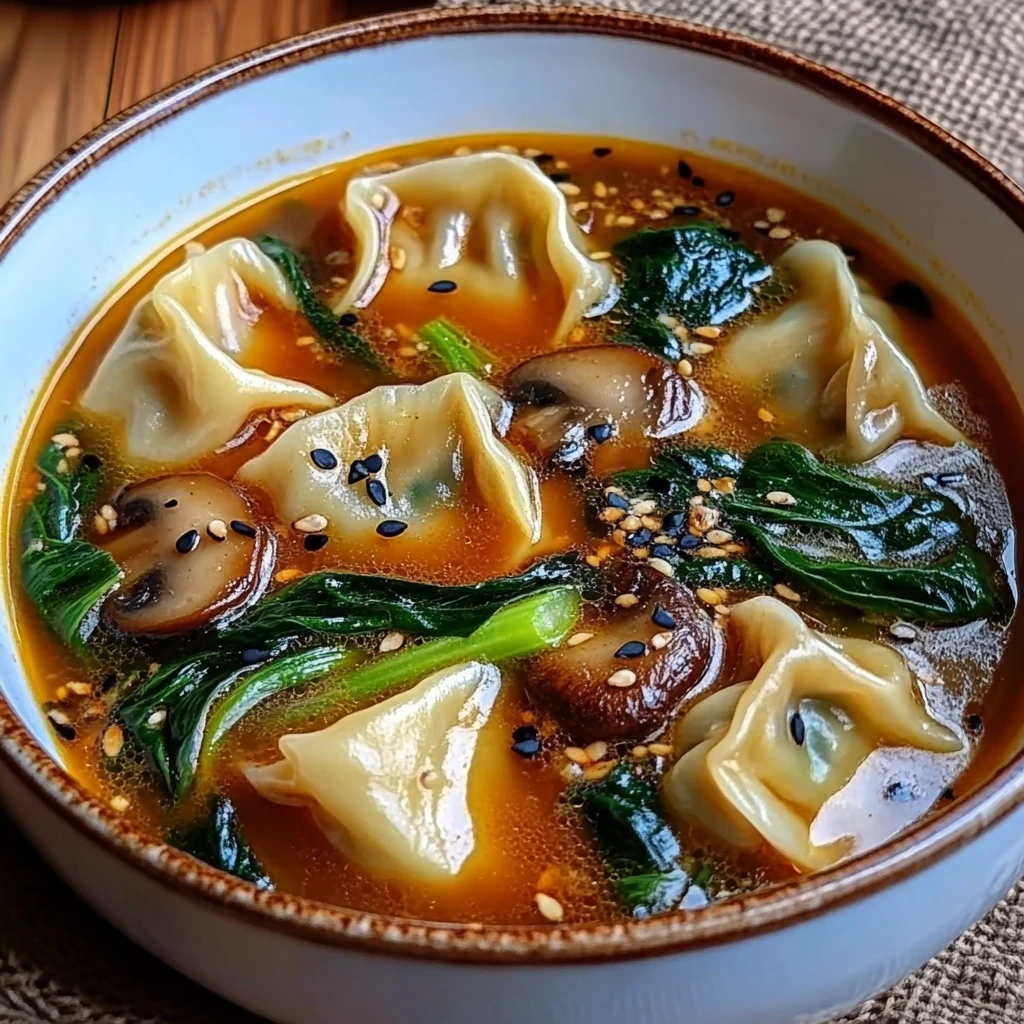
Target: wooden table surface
66, 67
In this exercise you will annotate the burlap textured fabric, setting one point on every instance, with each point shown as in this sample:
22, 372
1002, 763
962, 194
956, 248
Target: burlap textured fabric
960, 62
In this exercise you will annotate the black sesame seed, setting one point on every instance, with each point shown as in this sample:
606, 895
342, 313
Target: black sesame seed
673, 521
64, 731
910, 296
662, 618
725, 198
526, 741
600, 432
243, 528
617, 501
524, 732
687, 540
899, 792
950, 479
171, 503
632, 649
253, 656
377, 492
685, 170
91, 462
442, 287
315, 541
797, 729
686, 211
348, 319
975, 724
374, 463
639, 539
543, 158
948, 794
559, 177
358, 471
323, 459
698, 181
662, 551
602, 151
391, 527
187, 542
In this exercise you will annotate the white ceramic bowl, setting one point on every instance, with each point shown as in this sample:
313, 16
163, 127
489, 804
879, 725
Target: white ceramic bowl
802, 952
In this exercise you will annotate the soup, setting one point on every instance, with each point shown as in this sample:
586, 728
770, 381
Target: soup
523, 530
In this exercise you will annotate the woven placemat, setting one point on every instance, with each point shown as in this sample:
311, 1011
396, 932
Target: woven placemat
957, 61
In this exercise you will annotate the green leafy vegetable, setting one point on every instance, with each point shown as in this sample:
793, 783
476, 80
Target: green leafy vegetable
218, 841
695, 273
456, 352
731, 573
323, 321
675, 472
232, 670
66, 578
639, 845
524, 627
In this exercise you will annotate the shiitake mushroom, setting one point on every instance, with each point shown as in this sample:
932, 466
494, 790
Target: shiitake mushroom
666, 639
607, 398
190, 551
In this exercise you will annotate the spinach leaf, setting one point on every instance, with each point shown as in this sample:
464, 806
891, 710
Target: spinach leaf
65, 577
321, 318
639, 846
456, 352
675, 472
219, 841
731, 573
695, 273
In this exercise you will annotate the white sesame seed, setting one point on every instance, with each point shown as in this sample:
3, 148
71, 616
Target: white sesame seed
622, 679
611, 514
667, 320
685, 367
724, 484
631, 523
761, 225
62, 467
627, 600
625, 220
594, 561
711, 551
391, 642
73, 452
562, 165
708, 596
378, 200
718, 536
397, 255
286, 575
780, 498
765, 415
568, 188
305, 340
530, 152
774, 215
217, 529
549, 907
65, 440
108, 513
664, 538
80, 689
157, 719
596, 750
579, 638
641, 553
779, 233
639, 751
699, 348
113, 741
660, 640
600, 189
314, 523
508, 149
603, 255
665, 568
660, 749
652, 523
708, 332
903, 631
643, 507
120, 803
101, 525
657, 214
787, 593
577, 755
704, 486
58, 717
596, 772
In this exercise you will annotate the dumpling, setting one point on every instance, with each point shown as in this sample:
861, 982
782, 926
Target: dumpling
485, 221
760, 758
830, 358
176, 376
440, 456
390, 785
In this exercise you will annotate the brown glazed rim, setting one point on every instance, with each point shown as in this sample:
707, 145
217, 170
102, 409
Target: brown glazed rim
781, 906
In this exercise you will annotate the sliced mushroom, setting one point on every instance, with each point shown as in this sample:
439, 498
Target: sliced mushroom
618, 396
191, 553
666, 640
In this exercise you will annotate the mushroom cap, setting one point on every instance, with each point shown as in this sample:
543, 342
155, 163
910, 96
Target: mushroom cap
563, 394
571, 682
191, 552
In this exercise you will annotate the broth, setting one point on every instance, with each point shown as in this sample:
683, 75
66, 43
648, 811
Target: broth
531, 838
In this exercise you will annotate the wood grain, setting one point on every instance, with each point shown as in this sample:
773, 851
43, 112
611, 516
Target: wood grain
55, 66
165, 40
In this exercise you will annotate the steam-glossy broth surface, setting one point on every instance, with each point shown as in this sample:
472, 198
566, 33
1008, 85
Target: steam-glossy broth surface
533, 839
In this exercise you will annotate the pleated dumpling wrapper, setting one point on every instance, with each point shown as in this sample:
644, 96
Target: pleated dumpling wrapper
749, 774
829, 359
482, 221
441, 457
389, 785
176, 376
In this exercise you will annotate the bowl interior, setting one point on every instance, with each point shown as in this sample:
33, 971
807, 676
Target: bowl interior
56, 268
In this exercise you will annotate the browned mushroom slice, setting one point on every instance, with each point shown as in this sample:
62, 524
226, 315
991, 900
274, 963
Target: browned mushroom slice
624, 681
190, 552
614, 396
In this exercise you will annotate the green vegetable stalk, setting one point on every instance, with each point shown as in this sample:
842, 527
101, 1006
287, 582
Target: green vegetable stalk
218, 840
456, 352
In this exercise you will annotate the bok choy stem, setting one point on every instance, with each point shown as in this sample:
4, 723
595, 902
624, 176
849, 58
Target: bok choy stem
454, 351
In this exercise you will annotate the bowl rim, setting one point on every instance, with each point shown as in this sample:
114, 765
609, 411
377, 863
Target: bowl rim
745, 917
